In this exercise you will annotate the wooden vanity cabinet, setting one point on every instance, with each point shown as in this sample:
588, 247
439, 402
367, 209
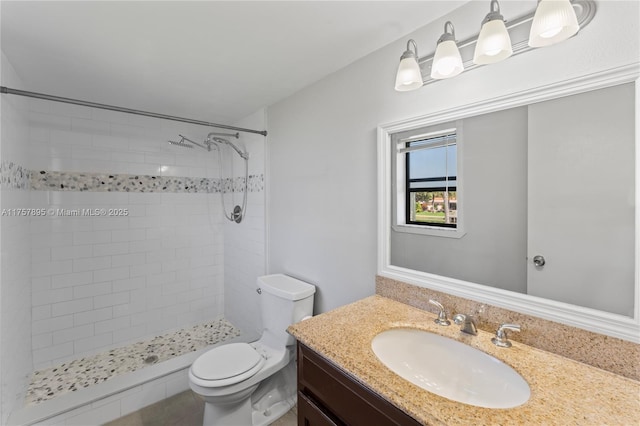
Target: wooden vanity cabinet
327, 396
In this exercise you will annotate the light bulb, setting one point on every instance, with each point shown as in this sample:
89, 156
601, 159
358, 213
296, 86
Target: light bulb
553, 22
447, 62
494, 43
409, 76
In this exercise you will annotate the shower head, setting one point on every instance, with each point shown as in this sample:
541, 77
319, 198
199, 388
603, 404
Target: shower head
184, 142
181, 143
211, 138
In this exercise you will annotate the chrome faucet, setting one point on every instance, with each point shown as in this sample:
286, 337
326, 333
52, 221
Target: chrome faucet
466, 323
442, 315
501, 335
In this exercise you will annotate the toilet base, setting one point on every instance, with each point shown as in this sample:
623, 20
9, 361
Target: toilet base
259, 405
234, 410
239, 414
279, 409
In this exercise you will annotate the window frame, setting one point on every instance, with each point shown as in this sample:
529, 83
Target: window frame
409, 204
399, 182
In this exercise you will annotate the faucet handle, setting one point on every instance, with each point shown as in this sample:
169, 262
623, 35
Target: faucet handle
501, 335
442, 315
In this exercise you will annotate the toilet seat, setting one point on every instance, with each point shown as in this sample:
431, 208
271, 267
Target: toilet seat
227, 364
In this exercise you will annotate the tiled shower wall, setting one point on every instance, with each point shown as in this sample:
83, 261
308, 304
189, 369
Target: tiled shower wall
148, 259
244, 243
15, 292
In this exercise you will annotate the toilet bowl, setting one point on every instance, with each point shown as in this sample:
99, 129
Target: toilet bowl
253, 384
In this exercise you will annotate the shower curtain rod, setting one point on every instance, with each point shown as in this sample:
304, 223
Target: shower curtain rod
10, 91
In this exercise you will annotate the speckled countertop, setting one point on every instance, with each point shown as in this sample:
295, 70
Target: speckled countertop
563, 391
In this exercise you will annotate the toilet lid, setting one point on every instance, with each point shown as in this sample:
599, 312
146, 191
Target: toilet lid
226, 361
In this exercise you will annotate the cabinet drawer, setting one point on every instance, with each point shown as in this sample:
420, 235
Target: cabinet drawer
347, 400
309, 414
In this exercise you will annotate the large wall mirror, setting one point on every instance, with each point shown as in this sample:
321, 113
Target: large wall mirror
544, 200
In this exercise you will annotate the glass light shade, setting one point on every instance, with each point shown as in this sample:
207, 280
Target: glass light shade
494, 43
409, 76
447, 62
554, 21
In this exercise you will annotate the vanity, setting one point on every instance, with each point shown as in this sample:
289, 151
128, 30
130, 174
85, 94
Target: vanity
341, 381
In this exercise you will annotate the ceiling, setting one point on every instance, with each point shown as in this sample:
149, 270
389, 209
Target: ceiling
216, 61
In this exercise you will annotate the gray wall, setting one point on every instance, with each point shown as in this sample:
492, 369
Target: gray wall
582, 199
321, 148
493, 249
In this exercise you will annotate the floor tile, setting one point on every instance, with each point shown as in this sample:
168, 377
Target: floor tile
183, 409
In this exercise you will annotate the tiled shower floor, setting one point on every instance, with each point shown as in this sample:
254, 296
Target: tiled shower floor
84, 372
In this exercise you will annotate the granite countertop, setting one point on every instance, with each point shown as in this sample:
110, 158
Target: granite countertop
563, 391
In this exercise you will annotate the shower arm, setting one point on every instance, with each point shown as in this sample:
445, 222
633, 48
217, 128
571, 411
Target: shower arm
212, 137
208, 148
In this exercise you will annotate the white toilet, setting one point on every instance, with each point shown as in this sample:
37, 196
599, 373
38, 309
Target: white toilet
253, 384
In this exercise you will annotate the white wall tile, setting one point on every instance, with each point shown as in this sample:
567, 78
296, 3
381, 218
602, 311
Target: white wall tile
92, 263
126, 335
112, 324
83, 125
17, 253
244, 253
97, 415
91, 290
128, 235
150, 393
49, 121
93, 316
51, 268
39, 255
71, 334
71, 252
111, 299
52, 324
47, 297
70, 280
91, 237
111, 274
144, 270
129, 284
92, 343
128, 259
125, 277
177, 382
71, 307
40, 312
42, 341
52, 352
110, 249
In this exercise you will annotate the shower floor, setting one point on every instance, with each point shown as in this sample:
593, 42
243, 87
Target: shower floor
84, 372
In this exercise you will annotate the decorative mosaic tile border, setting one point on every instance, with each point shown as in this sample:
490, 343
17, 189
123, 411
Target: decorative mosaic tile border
81, 373
14, 176
101, 182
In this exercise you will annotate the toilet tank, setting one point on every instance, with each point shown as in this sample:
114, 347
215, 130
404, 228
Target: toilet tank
284, 301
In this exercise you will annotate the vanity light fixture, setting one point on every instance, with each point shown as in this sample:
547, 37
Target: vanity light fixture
409, 76
494, 43
554, 21
551, 22
447, 61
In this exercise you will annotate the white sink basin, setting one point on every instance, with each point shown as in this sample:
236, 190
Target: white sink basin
450, 369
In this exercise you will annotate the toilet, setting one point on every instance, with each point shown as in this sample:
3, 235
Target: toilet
253, 384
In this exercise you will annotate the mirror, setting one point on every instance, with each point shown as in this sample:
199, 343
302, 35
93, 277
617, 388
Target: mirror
547, 190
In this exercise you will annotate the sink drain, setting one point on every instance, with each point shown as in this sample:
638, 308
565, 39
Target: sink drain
151, 359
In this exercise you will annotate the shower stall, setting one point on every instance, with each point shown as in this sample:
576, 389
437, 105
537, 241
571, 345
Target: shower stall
115, 244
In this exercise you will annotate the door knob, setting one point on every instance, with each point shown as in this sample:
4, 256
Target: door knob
538, 260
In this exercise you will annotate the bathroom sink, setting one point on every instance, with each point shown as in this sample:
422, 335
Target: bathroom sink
450, 369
